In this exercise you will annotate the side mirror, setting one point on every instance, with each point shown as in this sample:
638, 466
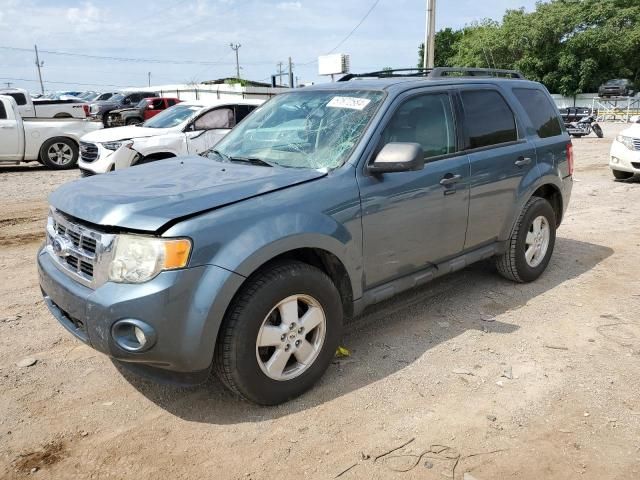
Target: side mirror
398, 157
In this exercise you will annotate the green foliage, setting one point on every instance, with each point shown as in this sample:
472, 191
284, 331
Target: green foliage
572, 46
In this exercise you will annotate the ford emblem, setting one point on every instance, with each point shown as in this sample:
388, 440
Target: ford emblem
60, 246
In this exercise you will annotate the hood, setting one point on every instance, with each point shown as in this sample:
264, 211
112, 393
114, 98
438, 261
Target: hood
123, 133
147, 197
633, 131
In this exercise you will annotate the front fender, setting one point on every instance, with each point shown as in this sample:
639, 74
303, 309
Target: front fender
274, 236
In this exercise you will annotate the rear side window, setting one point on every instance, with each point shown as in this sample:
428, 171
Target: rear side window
540, 111
488, 119
3, 112
19, 98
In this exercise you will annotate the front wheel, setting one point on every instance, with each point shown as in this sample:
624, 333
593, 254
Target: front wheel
531, 244
280, 333
598, 130
59, 153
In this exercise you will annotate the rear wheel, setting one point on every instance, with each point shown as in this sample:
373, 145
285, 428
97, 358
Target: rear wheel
280, 333
59, 153
531, 244
620, 175
132, 121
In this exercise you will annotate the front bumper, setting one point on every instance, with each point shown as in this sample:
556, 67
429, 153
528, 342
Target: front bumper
623, 159
184, 307
103, 164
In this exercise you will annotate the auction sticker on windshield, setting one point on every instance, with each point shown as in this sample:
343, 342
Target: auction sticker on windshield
353, 103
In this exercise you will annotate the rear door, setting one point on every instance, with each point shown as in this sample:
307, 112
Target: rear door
10, 135
501, 157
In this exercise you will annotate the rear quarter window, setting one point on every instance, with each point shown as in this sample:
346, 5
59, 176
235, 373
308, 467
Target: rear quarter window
19, 98
3, 112
488, 119
540, 111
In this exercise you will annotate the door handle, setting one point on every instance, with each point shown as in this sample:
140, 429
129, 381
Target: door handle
450, 180
522, 161
7, 126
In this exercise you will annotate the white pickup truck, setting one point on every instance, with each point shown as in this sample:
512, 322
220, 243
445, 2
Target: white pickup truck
188, 128
53, 142
44, 108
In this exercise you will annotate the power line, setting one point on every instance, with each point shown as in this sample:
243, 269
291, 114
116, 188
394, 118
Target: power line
128, 59
366, 15
64, 83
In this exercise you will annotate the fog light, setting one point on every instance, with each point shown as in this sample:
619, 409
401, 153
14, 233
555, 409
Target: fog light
133, 335
614, 160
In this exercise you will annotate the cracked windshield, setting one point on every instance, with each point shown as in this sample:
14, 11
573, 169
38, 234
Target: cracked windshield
314, 129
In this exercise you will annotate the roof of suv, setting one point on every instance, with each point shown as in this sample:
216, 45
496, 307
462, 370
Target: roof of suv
408, 78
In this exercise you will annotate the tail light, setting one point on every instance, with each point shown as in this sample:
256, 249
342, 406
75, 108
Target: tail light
570, 157
85, 107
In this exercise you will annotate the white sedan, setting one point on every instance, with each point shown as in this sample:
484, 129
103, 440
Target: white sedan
624, 159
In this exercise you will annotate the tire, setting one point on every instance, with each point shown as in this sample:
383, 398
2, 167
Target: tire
256, 310
513, 264
59, 153
132, 121
105, 120
598, 130
620, 175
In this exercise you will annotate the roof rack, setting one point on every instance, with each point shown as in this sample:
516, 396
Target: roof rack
438, 72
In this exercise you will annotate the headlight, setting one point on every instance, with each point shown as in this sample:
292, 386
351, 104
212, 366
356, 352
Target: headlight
626, 141
138, 259
112, 145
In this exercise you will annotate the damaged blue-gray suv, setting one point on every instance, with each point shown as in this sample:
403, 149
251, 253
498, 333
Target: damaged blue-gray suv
325, 200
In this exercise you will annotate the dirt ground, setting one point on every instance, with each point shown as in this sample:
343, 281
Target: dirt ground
479, 377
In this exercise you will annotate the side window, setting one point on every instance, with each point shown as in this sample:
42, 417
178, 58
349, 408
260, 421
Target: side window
488, 119
171, 102
427, 120
158, 104
242, 111
220, 118
135, 98
3, 112
540, 111
19, 98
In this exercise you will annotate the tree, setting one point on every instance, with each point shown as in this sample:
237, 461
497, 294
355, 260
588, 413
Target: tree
572, 46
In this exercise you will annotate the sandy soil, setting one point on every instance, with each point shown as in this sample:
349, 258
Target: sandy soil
547, 389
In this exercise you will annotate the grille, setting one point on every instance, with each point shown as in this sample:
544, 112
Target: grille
88, 152
636, 143
73, 247
86, 173
635, 165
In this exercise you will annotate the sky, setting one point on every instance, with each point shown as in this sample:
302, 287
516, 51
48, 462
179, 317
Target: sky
174, 39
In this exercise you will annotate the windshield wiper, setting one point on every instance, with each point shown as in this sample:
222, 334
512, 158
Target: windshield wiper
250, 160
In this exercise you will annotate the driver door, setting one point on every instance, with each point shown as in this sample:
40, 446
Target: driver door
412, 220
209, 128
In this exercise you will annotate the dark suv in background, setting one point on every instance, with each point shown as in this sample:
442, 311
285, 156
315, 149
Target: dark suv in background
620, 87
100, 110
320, 203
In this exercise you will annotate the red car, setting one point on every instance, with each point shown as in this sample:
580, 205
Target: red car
144, 110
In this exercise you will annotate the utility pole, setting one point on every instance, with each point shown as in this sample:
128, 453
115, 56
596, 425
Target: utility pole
39, 64
280, 65
149, 77
430, 35
290, 73
9, 84
235, 48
